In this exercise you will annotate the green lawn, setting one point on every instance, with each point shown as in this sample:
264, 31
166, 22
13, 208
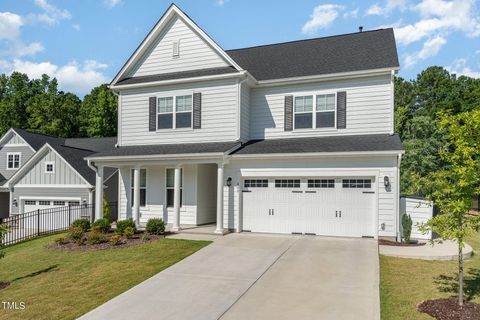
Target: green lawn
65, 285
404, 283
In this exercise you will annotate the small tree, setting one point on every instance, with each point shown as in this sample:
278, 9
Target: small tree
3, 233
452, 187
407, 227
106, 208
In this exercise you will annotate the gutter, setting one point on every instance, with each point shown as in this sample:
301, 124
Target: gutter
397, 207
239, 109
316, 154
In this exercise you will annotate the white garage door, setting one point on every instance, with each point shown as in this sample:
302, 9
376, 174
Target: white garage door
322, 206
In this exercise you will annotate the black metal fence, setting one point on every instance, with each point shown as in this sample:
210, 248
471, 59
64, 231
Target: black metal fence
40, 222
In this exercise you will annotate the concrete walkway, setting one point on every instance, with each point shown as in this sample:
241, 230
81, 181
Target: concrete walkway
448, 250
252, 276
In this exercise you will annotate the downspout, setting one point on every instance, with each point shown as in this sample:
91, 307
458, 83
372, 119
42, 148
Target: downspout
239, 109
92, 166
397, 207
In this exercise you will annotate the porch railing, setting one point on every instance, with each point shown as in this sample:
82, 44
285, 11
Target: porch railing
45, 221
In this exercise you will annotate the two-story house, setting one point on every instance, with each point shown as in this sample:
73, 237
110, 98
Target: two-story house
294, 137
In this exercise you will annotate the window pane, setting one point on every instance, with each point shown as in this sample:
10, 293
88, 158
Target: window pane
143, 197
165, 105
143, 178
183, 120
165, 121
330, 102
183, 103
308, 103
299, 104
321, 103
170, 178
303, 120
326, 119
169, 197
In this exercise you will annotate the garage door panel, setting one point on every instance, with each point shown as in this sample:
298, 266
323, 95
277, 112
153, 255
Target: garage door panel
322, 208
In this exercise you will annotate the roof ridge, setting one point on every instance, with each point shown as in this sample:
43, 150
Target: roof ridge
310, 39
38, 134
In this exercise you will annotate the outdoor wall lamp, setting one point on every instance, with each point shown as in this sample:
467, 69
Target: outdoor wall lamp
15, 203
229, 181
386, 181
383, 226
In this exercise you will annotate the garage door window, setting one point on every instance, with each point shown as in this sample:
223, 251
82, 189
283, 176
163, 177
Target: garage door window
58, 203
44, 203
357, 183
256, 183
30, 202
287, 183
321, 183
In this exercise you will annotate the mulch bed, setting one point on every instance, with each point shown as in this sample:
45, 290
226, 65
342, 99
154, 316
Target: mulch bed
448, 309
3, 285
135, 240
384, 242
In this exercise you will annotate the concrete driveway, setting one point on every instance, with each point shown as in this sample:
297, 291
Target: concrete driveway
253, 276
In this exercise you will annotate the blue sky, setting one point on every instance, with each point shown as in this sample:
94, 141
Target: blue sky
84, 43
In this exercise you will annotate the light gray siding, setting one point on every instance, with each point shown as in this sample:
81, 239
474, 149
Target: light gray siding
195, 53
206, 193
20, 194
219, 114
14, 144
369, 108
63, 175
244, 112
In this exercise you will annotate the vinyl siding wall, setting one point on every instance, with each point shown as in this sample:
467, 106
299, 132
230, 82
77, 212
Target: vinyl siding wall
369, 108
219, 114
14, 144
63, 174
195, 53
382, 165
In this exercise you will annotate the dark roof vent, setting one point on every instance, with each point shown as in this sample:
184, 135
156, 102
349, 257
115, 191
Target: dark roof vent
360, 29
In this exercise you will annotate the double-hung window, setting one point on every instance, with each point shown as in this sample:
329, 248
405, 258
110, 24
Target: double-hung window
143, 187
308, 116
174, 112
13, 160
170, 186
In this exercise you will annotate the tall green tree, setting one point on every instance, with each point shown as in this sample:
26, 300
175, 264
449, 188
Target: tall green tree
99, 113
451, 187
15, 91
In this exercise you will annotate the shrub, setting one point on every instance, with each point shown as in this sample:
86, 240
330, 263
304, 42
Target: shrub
96, 238
75, 233
101, 225
61, 240
116, 239
145, 237
3, 233
82, 223
407, 227
155, 226
128, 232
122, 224
106, 209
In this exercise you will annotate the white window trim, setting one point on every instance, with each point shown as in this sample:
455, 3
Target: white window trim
182, 173
174, 113
314, 110
140, 187
53, 167
19, 160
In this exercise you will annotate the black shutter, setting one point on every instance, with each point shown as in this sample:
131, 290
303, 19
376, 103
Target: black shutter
197, 110
288, 126
341, 110
152, 112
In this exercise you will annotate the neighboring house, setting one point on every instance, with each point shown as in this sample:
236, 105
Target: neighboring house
295, 137
41, 172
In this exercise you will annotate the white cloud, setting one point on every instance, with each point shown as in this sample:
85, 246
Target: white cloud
459, 67
351, 14
440, 16
112, 3
390, 6
74, 77
76, 26
10, 24
430, 48
321, 17
51, 15
10, 33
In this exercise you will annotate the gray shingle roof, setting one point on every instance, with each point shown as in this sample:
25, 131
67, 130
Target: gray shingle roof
169, 149
372, 142
73, 150
342, 53
177, 75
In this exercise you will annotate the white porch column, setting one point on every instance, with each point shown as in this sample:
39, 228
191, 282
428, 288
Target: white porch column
99, 193
136, 196
219, 199
176, 199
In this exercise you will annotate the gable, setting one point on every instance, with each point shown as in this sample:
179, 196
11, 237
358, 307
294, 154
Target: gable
14, 139
63, 173
194, 52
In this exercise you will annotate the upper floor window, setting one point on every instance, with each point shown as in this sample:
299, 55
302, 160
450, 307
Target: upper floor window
13, 160
322, 116
170, 117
